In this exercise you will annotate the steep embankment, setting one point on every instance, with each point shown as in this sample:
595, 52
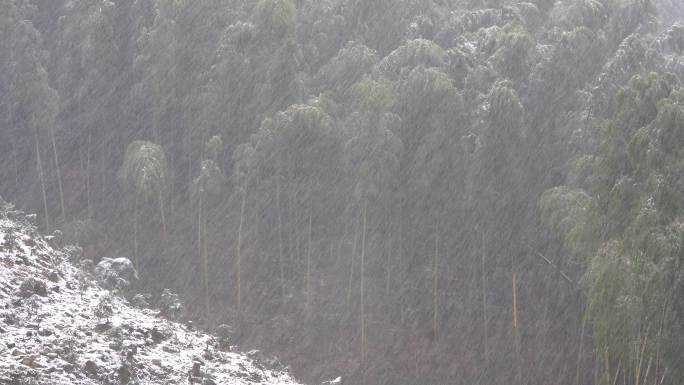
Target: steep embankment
59, 326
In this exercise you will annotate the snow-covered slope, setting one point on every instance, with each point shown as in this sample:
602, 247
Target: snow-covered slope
58, 326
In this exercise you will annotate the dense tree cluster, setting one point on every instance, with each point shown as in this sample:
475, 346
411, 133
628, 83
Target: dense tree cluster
399, 192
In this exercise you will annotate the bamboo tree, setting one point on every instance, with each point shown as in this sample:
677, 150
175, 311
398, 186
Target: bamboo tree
143, 174
374, 150
207, 187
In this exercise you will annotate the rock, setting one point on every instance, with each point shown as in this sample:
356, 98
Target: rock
54, 276
208, 381
30, 361
208, 355
170, 349
157, 362
196, 369
32, 286
68, 367
11, 345
124, 374
157, 335
91, 369
115, 345
102, 327
45, 332
51, 355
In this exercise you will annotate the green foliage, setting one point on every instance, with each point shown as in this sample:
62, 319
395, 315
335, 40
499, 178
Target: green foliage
305, 127
144, 170
275, 19
569, 213
81, 232
374, 148
210, 179
373, 97
627, 221
214, 147
348, 67
410, 55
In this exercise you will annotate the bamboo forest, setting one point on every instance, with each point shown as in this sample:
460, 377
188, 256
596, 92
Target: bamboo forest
376, 192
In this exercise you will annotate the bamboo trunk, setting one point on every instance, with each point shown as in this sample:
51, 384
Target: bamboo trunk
351, 267
41, 177
363, 261
280, 240
16, 165
161, 212
201, 249
516, 331
435, 283
59, 174
87, 179
239, 257
135, 233
484, 303
205, 258
308, 267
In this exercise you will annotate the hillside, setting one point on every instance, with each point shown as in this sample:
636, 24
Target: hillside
58, 325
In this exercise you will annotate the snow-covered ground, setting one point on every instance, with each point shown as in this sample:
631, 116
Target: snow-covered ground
58, 326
